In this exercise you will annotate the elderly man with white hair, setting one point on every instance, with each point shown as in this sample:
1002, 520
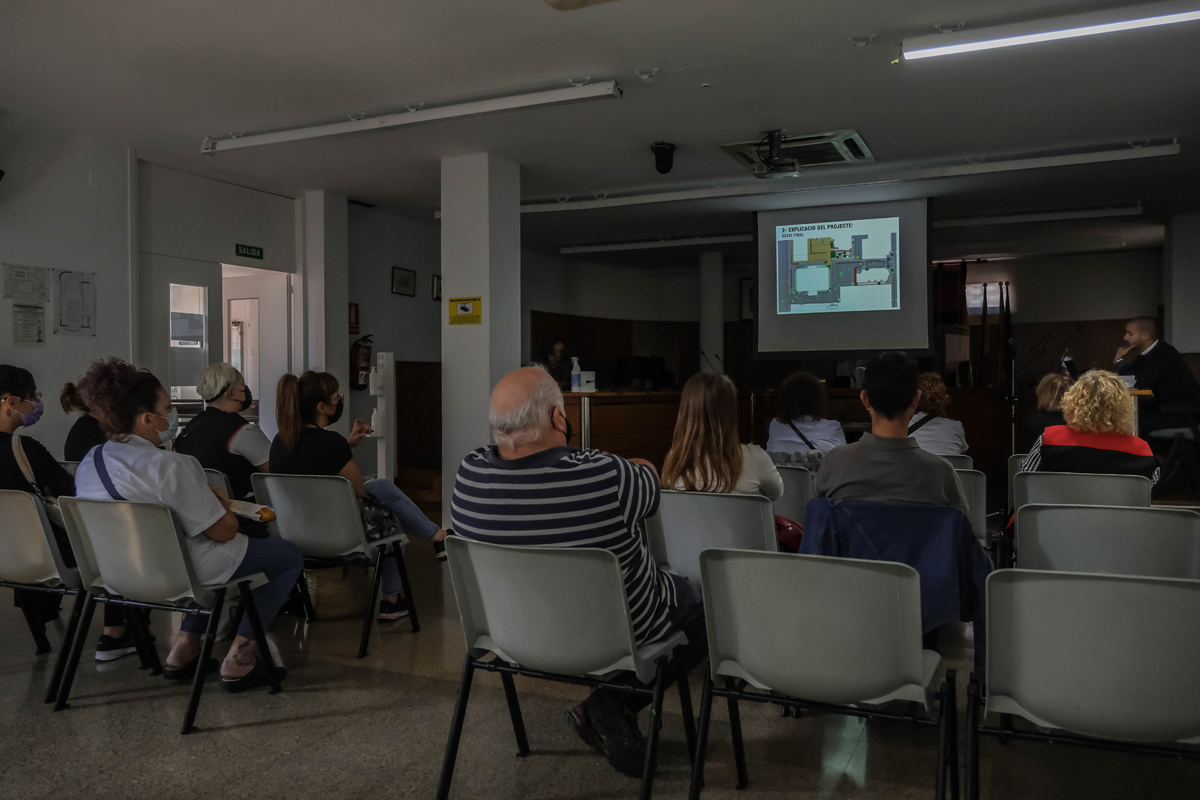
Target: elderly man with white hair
219, 437
533, 489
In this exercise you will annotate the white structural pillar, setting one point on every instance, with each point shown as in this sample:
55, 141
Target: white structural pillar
712, 312
1181, 282
481, 257
326, 294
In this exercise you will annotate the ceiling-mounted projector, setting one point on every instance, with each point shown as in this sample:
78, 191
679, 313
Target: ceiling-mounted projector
771, 161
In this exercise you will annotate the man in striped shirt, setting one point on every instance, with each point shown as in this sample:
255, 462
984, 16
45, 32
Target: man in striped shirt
533, 489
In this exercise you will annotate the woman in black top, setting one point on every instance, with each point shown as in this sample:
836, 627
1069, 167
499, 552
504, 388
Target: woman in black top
21, 406
86, 433
305, 407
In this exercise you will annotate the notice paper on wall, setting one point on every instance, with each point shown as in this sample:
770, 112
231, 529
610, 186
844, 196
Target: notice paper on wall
26, 284
74, 303
466, 310
29, 325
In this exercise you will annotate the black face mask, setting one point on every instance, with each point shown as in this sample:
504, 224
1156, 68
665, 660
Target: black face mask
337, 414
248, 400
569, 434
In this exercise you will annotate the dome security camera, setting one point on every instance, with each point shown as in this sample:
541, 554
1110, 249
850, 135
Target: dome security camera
664, 156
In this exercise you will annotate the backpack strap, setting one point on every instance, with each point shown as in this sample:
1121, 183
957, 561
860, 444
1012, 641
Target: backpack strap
803, 438
913, 428
102, 471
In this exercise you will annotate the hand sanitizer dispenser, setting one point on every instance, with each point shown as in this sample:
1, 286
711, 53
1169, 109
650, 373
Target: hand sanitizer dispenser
576, 375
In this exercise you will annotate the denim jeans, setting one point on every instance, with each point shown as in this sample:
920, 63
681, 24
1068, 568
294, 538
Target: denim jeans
281, 562
411, 520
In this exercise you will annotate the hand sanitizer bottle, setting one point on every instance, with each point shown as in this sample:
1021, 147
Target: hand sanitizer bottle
576, 375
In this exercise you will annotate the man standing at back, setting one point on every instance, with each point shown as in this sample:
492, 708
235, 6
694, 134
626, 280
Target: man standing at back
1157, 366
533, 489
887, 465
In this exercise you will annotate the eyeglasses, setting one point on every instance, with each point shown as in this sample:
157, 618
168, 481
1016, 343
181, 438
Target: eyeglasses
37, 398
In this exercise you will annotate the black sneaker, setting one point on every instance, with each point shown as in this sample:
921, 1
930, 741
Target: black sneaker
603, 723
110, 649
389, 611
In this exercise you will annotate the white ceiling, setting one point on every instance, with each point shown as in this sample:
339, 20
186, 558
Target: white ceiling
161, 76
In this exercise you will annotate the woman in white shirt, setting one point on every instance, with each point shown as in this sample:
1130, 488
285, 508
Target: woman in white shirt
705, 455
801, 424
933, 432
137, 416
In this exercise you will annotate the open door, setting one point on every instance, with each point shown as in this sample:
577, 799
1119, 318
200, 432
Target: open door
180, 321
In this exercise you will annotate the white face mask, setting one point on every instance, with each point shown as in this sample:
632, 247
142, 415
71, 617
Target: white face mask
172, 419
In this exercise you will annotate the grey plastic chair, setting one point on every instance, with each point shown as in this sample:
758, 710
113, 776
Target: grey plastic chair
974, 484
961, 461
1077, 488
1108, 657
693, 522
559, 614
1014, 466
1154, 542
69, 466
139, 552
777, 633
797, 491
319, 514
220, 480
30, 560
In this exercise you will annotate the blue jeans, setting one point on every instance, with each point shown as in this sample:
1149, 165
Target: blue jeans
411, 520
281, 562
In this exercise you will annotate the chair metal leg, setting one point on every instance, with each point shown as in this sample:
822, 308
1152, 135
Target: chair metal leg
971, 768
939, 791
685, 706
372, 599
514, 711
409, 600
60, 663
260, 636
81, 634
456, 726
700, 753
952, 692
654, 726
206, 646
135, 633
37, 630
135, 620
310, 613
735, 728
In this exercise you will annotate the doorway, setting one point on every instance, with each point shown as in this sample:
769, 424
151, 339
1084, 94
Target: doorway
257, 335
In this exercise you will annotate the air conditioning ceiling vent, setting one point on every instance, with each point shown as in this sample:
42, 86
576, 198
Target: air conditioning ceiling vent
815, 150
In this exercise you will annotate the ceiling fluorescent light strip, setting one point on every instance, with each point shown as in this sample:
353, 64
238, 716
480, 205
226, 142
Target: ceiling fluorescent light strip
657, 243
1048, 30
1052, 216
605, 90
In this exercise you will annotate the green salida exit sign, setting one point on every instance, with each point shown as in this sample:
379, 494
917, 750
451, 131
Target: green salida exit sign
249, 252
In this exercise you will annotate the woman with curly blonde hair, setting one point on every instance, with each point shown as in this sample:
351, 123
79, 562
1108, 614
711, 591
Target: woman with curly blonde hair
933, 431
1098, 436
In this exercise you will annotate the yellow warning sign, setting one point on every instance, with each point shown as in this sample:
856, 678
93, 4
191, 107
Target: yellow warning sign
466, 310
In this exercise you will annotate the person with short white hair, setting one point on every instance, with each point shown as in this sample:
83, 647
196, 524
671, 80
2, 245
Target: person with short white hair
532, 488
219, 437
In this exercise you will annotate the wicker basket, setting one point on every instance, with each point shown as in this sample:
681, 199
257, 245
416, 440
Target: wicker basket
339, 592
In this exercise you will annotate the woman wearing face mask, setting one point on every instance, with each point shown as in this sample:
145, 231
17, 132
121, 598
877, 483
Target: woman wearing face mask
219, 437
136, 413
21, 406
305, 408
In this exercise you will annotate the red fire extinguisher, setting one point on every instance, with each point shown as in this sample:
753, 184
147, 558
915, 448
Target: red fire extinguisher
360, 363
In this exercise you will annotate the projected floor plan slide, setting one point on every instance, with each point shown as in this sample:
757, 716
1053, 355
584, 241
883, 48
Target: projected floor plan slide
838, 266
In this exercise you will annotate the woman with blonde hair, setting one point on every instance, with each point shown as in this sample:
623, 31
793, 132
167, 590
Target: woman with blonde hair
706, 455
1098, 434
933, 431
1050, 391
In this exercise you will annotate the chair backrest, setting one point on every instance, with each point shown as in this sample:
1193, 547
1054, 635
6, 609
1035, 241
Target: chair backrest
797, 491
1078, 488
961, 462
1014, 466
835, 630
695, 521
28, 551
318, 513
555, 609
974, 485
137, 550
69, 466
1155, 542
220, 480
1111, 656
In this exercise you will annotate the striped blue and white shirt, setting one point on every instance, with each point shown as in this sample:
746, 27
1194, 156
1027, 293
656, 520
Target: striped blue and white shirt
563, 497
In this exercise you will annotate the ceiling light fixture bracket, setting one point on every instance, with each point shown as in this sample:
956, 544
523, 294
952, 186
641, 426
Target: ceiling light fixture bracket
646, 76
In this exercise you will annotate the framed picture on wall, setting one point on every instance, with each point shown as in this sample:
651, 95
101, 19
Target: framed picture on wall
437, 287
748, 298
404, 281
